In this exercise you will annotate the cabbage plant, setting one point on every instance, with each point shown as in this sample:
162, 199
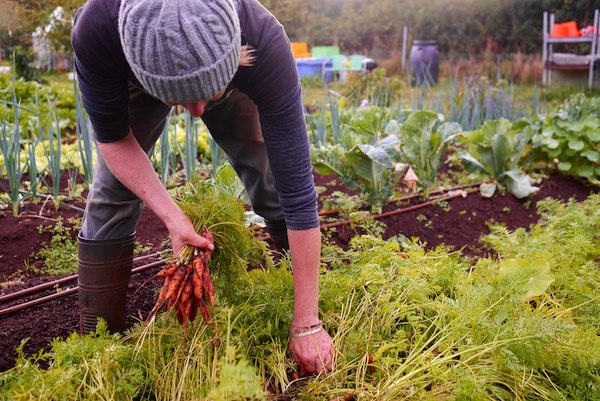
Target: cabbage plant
425, 136
495, 150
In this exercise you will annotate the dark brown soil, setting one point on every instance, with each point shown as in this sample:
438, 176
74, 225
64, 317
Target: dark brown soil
458, 223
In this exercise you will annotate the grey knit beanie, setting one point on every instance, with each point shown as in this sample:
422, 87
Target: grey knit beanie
181, 51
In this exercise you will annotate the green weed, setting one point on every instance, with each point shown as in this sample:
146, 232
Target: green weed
59, 256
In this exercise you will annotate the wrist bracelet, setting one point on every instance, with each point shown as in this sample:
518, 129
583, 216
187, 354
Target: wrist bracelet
308, 333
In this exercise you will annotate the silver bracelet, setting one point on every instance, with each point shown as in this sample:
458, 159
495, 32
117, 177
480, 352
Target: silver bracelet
308, 333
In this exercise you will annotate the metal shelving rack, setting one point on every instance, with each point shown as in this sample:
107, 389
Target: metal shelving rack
548, 50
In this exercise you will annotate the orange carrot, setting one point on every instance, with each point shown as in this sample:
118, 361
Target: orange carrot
187, 292
197, 277
204, 310
209, 236
185, 310
177, 279
209, 288
194, 309
162, 295
189, 287
182, 285
179, 315
168, 270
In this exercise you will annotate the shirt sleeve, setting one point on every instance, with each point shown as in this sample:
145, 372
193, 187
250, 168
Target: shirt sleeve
273, 84
101, 71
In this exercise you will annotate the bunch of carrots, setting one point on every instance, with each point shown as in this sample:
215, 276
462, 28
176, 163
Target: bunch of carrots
188, 286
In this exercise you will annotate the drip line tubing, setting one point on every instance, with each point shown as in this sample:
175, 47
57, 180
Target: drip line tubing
45, 196
69, 291
401, 210
38, 301
49, 284
413, 196
403, 198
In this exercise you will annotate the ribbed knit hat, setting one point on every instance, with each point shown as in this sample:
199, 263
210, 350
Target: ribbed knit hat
181, 51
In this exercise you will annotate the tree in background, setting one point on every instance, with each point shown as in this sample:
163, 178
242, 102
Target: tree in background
462, 28
378, 32
35, 14
313, 21
9, 19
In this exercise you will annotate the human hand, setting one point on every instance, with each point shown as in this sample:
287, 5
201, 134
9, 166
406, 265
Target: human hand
182, 233
313, 352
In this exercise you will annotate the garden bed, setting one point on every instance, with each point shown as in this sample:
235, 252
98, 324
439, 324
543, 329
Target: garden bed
457, 223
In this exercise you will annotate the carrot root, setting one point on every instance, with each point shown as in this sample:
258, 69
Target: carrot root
188, 288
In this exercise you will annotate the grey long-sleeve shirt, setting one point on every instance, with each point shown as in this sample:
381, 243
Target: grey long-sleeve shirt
272, 83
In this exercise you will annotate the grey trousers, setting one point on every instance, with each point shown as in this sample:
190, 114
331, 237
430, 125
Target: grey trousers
112, 211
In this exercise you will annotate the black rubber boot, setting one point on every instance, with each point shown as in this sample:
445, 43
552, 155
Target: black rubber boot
104, 272
278, 233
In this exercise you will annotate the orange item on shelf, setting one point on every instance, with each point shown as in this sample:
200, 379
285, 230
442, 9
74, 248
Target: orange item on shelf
565, 30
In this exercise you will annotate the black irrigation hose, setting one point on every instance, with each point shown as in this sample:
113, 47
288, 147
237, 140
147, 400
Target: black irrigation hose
38, 301
66, 292
50, 284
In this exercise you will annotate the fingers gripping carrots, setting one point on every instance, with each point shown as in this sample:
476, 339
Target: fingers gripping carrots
188, 287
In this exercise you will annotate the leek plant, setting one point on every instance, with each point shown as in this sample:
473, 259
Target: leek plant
84, 140
380, 95
479, 103
12, 165
217, 156
468, 103
374, 89
325, 126
53, 152
336, 120
427, 99
10, 144
317, 125
189, 154
469, 110
165, 164
31, 144
35, 135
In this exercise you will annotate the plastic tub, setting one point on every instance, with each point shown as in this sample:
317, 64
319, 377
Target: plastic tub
309, 67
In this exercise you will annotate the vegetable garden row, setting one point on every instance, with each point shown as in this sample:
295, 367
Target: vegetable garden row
370, 147
409, 322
